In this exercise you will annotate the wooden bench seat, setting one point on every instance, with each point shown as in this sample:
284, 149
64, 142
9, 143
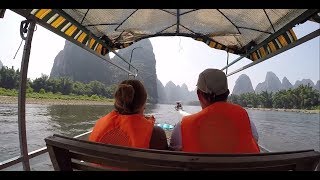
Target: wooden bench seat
69, 154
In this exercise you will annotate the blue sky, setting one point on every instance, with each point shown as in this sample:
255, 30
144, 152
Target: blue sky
178, 59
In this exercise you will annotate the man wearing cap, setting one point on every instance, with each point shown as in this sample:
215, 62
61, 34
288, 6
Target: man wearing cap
220, 127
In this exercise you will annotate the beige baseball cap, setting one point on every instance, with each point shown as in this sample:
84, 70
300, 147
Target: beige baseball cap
212, 81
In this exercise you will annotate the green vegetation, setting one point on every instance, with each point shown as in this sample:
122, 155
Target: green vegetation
302, 97
50, 95
316, 108
54, 88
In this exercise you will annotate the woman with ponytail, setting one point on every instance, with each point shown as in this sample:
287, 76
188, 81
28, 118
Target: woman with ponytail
126, 125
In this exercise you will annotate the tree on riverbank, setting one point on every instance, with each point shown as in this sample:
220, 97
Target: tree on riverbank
9, 79
302, 97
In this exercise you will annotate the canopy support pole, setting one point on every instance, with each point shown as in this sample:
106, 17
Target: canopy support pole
129, 74
130, 65
22, 97
227, 62
2, 11
178, 20
228, 65
292, 45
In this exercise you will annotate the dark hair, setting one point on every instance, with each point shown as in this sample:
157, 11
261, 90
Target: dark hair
130, 96
213, 98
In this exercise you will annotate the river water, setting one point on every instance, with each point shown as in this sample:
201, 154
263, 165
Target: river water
278, 131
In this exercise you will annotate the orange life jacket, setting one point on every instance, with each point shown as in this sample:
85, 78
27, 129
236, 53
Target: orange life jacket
125, 130
219, 128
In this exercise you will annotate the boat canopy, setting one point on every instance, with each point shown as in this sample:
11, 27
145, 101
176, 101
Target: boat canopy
240, 31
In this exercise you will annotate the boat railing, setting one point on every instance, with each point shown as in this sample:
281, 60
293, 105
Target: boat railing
68, 154
38, 152
32, 154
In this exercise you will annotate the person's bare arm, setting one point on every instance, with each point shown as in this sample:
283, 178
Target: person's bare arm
175, 140
254, 131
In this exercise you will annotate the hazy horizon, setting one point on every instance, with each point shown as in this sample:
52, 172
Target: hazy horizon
254, 87
179, 59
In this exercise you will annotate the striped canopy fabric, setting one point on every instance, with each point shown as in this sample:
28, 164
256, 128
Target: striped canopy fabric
253, 33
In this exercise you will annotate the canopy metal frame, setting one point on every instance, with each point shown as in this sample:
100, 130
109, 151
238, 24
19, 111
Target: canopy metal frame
265, 12
47, 26
302, 40
22, 96
2, 11
303, 17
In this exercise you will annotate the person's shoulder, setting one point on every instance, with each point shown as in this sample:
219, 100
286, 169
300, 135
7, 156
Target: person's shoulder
190, 116
237, 107
111, 114
234, 105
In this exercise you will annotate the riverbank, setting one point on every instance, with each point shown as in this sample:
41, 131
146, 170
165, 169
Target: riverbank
315, 111
14, 100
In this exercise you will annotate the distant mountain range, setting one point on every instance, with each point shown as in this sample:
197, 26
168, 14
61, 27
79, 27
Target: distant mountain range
170, 93
271, 84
